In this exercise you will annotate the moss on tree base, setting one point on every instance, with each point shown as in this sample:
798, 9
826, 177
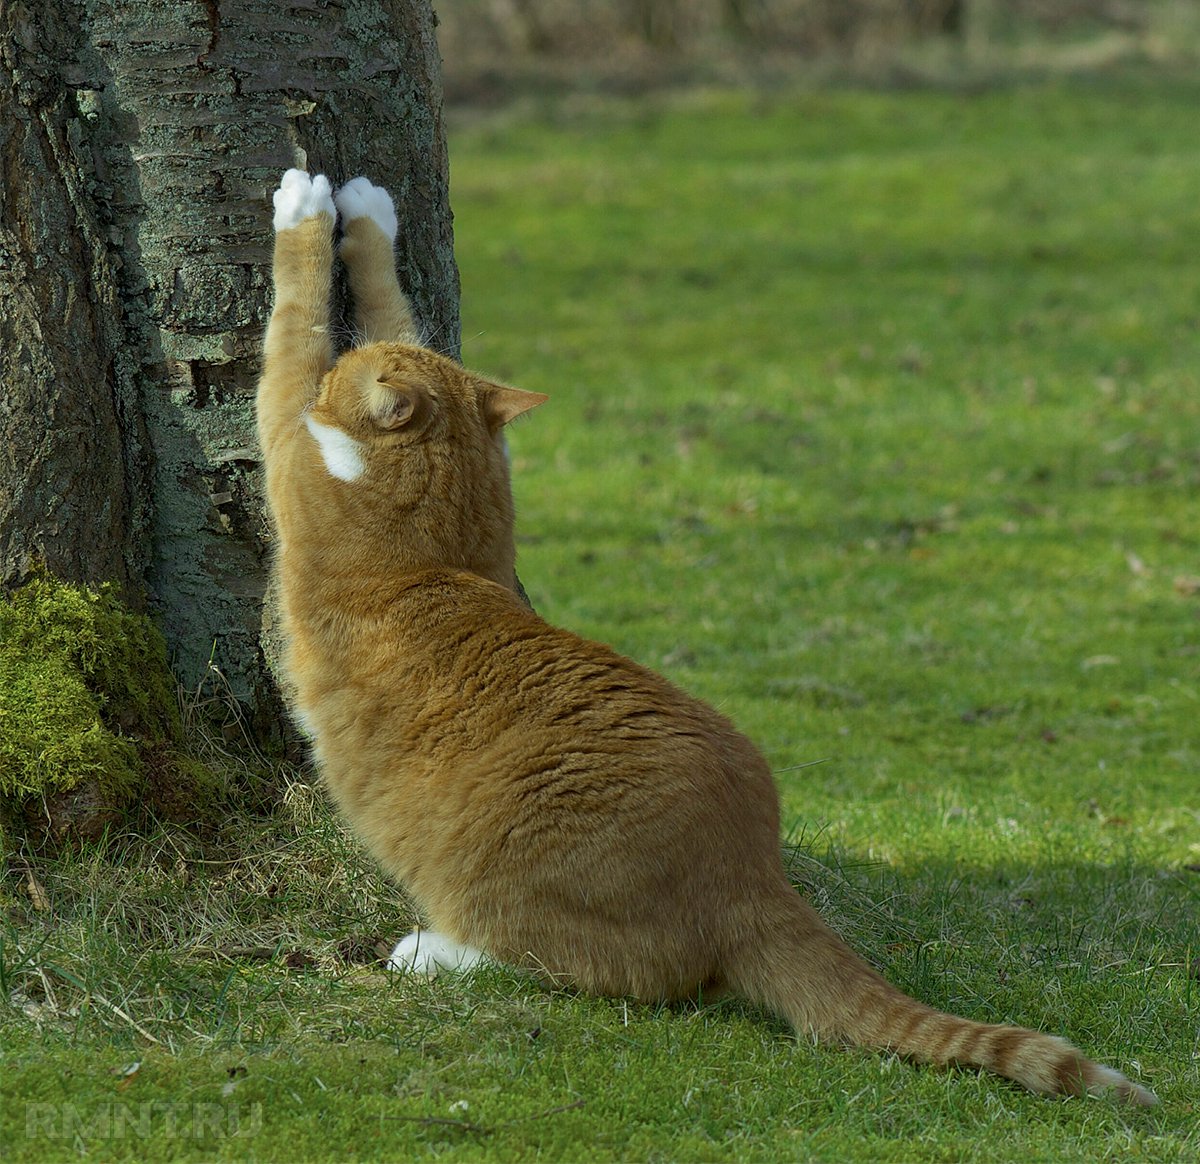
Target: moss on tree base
89, 715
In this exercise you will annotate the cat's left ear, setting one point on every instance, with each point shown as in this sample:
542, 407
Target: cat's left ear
502, 404
393, 405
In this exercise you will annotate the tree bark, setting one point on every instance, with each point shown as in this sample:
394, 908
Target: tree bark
139, 145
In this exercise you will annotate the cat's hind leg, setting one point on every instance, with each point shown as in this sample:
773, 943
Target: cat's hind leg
429, 953
297, 350
381, 310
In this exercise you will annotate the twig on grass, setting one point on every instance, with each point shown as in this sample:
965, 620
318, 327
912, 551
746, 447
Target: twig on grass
806, 764
141, 1030
88, 993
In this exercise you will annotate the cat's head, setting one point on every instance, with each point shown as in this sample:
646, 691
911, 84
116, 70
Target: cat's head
420, 440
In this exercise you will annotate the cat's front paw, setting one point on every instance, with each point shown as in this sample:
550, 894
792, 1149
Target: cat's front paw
361, 198
424, 952
301, 196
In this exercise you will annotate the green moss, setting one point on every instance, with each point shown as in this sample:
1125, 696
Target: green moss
86, 695
52, 736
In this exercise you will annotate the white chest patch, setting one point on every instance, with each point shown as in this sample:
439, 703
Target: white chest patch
341, 453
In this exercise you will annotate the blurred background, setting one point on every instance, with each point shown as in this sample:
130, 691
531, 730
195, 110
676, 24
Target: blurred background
495, 48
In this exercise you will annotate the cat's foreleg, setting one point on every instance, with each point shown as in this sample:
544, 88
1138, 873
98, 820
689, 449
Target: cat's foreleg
297, 349
381, 310
429, 953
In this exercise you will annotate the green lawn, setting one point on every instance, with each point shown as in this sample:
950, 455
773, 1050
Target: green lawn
875, 421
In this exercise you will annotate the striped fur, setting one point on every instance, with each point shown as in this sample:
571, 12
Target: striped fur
546, 801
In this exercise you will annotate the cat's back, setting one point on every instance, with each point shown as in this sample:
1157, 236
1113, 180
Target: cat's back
483, 641
453, 674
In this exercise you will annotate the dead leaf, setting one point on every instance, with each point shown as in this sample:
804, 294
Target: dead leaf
363, 950
37, 893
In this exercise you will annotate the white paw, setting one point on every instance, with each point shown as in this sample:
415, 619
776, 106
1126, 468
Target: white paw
361, 198
299, 197
424, 952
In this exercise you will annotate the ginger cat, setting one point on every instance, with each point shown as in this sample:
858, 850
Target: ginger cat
547, 802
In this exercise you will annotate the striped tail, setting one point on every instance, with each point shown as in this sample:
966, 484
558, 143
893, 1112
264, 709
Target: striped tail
803, 971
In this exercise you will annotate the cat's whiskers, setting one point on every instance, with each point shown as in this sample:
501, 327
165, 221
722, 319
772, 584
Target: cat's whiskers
427, 337
347, 334
302, 416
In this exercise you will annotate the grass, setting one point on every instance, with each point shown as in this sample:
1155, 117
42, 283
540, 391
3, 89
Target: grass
874, 421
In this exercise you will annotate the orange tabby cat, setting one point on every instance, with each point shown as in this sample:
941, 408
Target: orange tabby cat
547, 802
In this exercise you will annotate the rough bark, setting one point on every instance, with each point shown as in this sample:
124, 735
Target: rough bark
140, 143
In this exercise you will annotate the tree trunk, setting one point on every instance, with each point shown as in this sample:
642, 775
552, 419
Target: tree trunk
139, 145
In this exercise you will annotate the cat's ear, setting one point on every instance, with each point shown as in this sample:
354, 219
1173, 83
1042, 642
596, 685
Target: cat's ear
398, 411
394, 406
502, 404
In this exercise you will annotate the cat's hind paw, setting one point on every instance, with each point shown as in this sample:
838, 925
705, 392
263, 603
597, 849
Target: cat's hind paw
428, 953
361, 198
301, 196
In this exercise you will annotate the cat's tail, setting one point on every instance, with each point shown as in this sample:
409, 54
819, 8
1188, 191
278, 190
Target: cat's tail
803, 971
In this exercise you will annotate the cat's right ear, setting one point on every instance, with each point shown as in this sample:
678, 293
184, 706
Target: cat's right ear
502, 404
